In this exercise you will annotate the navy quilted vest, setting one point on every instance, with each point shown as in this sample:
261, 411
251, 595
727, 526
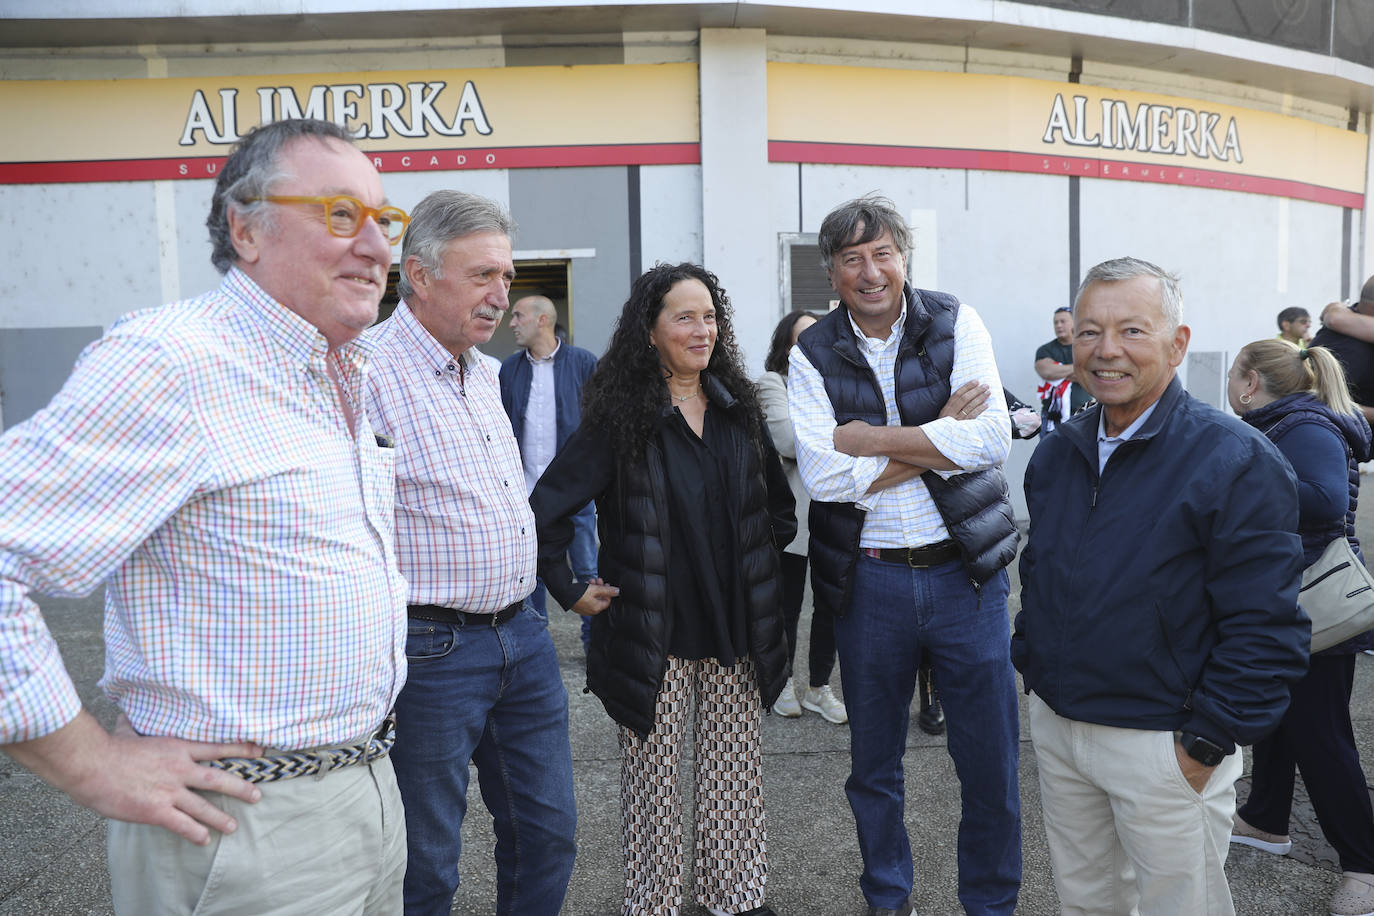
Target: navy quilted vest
975, 507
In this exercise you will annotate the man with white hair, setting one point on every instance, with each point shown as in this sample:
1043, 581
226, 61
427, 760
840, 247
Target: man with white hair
1159, 625
484, 685
209, 464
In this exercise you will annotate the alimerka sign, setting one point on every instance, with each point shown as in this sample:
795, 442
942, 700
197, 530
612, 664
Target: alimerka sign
1148, 128
500, 117
1012, 123
392, 109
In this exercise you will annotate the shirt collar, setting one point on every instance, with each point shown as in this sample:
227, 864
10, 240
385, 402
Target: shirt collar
423, 344
301, 340
870, 343
1126, 433
548, 359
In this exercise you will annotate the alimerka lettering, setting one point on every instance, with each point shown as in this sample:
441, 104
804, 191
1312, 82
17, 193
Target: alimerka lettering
410, 110
1148, 128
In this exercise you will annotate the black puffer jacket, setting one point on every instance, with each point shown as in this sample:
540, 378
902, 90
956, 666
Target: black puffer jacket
629, 649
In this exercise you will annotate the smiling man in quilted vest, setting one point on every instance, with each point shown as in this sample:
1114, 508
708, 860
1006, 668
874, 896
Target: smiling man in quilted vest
901, 429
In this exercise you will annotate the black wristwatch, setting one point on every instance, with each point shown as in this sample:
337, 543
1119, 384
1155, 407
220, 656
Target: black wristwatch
1205, 752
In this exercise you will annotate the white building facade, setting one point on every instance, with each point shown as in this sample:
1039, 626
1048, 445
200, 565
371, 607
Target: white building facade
1025, 142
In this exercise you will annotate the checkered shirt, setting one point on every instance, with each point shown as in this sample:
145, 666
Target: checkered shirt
464, 529
197, 463
903, 515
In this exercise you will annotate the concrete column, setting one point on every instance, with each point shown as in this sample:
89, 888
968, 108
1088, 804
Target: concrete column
737, 242
1364, 234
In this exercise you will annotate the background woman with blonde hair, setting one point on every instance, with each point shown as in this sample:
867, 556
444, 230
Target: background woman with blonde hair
1298, 399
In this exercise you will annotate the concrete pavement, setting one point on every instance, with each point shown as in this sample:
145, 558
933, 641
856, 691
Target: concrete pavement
52, 852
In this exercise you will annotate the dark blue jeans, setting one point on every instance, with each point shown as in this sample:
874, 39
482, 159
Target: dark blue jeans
895, 613
494, 696
582, 559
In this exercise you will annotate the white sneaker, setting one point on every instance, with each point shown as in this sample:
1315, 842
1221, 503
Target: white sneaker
1354, 897
1247, 834
824, 701
786, 705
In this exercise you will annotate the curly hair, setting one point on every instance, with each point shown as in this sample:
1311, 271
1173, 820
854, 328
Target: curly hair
628, 393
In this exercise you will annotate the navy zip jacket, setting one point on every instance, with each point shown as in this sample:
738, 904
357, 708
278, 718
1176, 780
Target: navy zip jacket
1162, 594
572, 366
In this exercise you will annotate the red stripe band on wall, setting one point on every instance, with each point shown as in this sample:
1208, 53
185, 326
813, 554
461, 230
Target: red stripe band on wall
991, 160
412, 161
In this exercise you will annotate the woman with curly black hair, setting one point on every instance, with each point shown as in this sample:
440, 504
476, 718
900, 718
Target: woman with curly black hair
692, 507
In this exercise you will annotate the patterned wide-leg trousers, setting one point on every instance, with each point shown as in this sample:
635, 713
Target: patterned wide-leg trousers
731, 854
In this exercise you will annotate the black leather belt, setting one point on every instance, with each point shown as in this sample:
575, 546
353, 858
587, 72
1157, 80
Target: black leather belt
916, 557
463, 618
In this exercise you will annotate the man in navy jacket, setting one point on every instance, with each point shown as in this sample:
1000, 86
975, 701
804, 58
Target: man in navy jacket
541, 389
1159, 624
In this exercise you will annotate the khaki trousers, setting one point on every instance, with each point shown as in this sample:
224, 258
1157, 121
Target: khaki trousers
1127, 833
332, 844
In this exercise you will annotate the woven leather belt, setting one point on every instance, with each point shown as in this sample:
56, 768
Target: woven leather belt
916, 557
307, 763
464, 618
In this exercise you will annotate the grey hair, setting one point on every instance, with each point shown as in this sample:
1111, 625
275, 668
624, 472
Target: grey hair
251, 170
1119, 269
873, 212
439, 219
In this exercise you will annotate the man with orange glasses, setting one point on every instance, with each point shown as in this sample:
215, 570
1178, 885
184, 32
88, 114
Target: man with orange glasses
209, 462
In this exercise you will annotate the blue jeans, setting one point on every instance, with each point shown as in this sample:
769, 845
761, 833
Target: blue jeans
582, 559
896, 612
492, 695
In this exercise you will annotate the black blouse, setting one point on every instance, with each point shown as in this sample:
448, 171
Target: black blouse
703, 505
708, 618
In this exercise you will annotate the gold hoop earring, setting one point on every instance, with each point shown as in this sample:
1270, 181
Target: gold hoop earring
1246, 398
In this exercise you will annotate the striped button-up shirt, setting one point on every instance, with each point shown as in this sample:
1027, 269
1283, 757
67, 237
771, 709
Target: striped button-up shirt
903, 515
464, 530
197, 462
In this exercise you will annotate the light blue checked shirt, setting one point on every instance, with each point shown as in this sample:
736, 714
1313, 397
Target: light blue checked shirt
197, 463
903, 515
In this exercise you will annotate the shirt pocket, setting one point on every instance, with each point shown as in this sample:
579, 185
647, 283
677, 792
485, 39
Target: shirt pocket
378, 469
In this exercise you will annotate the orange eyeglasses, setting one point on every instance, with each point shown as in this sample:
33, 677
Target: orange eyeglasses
344, 215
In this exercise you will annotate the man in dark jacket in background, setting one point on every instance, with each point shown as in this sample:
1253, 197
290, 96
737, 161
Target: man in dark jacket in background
1159, 624
541, 389
1348, 332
